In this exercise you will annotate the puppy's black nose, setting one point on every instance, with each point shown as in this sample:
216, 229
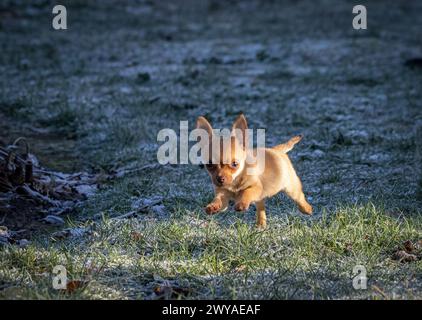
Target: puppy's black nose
221, 179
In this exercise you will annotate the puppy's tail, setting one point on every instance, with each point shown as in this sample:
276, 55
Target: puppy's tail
287, 146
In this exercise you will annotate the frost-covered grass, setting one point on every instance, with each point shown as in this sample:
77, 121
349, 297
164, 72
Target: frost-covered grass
207, 257
85, 103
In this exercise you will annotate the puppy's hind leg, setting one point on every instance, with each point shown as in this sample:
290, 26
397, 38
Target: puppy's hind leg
296, 194
261, 218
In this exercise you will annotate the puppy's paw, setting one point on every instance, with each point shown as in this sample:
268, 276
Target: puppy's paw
261, 225
241, 206
213, 207
306, 208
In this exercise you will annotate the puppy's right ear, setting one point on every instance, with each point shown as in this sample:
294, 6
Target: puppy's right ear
205, 142
202, 123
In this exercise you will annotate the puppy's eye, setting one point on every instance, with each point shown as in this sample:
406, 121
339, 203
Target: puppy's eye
234, 164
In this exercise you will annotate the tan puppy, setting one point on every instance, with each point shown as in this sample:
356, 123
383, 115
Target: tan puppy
237, 179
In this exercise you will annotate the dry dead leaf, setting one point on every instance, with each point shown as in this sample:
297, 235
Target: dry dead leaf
136, 236
240, 268
381, 292
167, 291
403, 256
74, 285
408, 246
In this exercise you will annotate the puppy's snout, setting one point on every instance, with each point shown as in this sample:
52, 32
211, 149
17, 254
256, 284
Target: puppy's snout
221, 179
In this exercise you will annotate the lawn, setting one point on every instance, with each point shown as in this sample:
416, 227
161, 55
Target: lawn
92, 99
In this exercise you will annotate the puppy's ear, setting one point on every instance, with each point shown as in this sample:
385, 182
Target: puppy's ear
239, 129
202, 123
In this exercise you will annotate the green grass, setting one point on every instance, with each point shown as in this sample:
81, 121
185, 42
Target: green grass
293, 258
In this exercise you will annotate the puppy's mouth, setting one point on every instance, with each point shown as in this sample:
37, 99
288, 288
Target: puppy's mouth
222, 183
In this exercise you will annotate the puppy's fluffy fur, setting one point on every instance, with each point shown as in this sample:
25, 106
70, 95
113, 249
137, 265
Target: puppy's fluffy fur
233, 181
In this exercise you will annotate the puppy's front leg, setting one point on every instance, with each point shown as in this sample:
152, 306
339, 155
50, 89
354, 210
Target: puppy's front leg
245, 197
220, 201
261, 218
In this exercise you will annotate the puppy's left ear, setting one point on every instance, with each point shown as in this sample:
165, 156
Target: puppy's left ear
239, 128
